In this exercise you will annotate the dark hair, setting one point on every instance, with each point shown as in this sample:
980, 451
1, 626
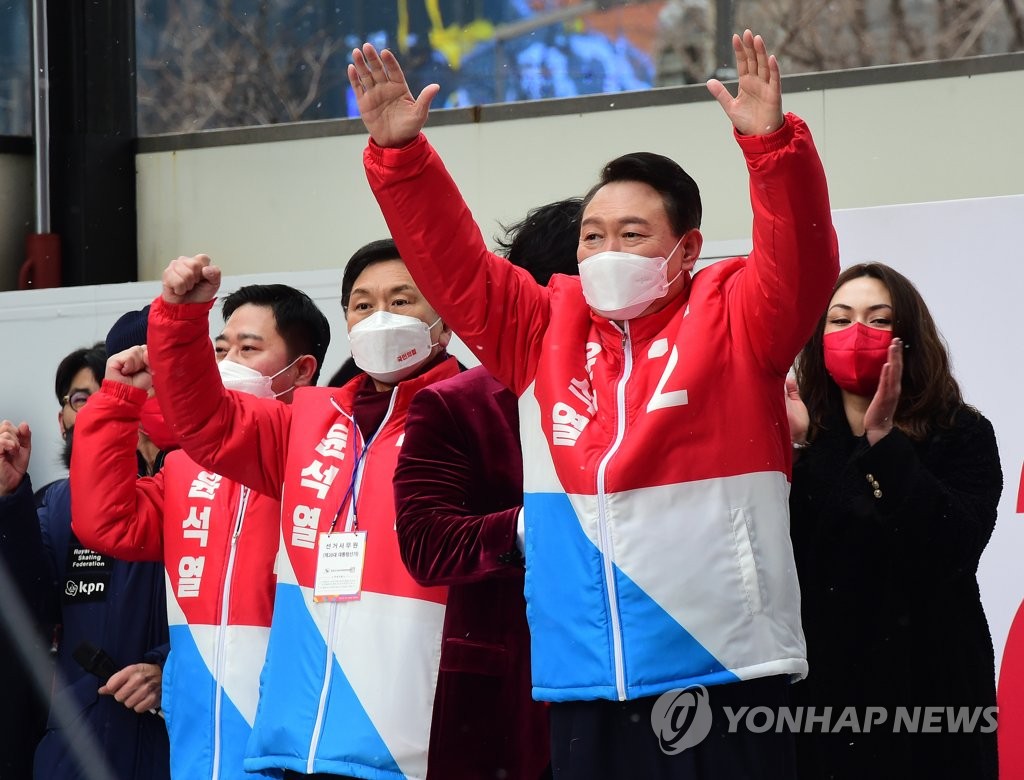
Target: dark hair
929, 396
679, 192
300, 322
348, 371
364, 257
94, 358
545, 242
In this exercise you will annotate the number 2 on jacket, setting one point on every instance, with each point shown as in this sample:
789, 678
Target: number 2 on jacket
661, 399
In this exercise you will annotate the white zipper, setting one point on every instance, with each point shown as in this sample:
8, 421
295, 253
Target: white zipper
243, 502
329, 667
602, 515
318, 724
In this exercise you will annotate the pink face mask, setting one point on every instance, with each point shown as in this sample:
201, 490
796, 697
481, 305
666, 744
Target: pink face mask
854, 357
153, 425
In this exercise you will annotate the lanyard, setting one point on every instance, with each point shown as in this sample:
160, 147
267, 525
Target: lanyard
350, 492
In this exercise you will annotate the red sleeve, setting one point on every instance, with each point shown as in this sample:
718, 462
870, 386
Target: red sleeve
235, 435
112, 510
497, 309
441, 540
795, 260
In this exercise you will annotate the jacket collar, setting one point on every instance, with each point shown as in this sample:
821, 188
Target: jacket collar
442, 367
641, 329
406, 389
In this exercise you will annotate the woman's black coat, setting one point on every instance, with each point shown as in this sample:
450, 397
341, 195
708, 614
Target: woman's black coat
887, 541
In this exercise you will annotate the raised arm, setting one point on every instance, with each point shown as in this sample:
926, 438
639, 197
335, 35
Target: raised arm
498, 310
112, 510
237, 436
757, 107
795, 257
22, 551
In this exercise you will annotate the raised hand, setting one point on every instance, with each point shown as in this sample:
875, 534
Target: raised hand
757, 107
15, 449
130, 367
389, 111
191, 280
796, 411
878, 419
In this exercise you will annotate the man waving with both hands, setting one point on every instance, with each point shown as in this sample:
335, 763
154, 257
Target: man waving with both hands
651, 406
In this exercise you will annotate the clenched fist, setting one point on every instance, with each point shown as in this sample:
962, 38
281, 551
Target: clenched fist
191, 280
130, 367
15, 449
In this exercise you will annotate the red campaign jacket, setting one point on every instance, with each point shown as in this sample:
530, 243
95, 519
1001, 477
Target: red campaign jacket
364, 708
458, 493
218, 541
656, 455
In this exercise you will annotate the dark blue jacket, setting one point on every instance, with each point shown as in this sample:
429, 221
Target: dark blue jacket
117, 606
23, 706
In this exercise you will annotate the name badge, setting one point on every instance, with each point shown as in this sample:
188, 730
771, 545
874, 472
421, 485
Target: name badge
339, 566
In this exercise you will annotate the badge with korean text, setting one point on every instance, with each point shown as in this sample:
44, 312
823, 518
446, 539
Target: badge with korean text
339, 566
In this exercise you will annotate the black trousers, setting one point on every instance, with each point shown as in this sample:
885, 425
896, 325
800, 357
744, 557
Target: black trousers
612, 740
290, 775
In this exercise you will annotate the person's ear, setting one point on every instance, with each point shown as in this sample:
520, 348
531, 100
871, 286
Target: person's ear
60, 422
305, 369
689, 249
445, 336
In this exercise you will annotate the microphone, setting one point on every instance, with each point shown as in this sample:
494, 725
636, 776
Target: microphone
96, 661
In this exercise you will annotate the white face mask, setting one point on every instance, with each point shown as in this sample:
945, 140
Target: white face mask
389, 347
620, 285
235, 376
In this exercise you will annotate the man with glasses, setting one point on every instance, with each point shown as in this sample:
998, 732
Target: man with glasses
76, 400
76, 380
78, 596
23, 712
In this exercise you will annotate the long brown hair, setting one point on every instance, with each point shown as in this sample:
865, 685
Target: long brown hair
929, 396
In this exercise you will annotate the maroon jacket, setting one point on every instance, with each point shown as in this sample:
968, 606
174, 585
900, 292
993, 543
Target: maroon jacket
458, 492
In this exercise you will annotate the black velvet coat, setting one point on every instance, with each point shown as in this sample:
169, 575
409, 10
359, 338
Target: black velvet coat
887, 541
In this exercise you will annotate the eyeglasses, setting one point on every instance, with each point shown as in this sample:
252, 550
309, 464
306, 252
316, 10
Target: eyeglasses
76, 400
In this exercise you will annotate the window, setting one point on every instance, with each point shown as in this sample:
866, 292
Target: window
15, 68
232, 63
